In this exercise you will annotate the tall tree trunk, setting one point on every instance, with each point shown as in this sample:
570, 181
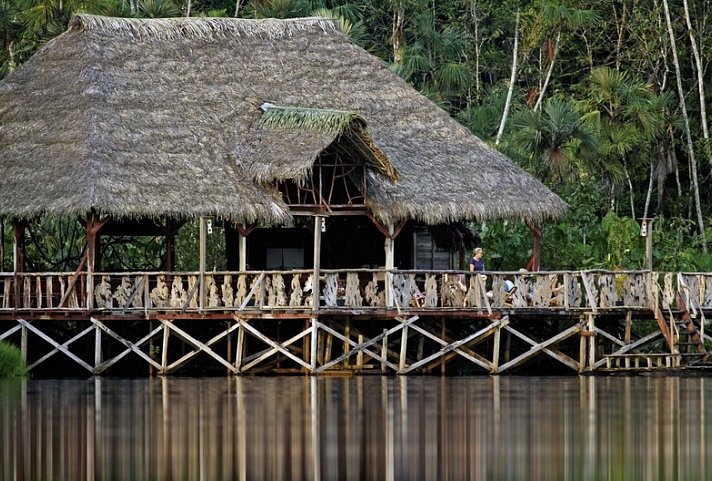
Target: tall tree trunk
187, 9
547, 79
700, 83
478, 47
650, 184
237, 7
688, 135
620, 29
630, 190
512, 79
397, 35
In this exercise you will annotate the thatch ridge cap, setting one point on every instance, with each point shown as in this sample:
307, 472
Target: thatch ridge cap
199, 27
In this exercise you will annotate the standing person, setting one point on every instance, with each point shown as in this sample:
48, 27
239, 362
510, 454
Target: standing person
477, 263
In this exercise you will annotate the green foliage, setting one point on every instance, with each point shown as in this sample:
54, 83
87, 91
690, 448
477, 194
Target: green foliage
12, 365
624, 246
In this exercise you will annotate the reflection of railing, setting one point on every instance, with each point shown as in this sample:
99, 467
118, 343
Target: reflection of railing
353, 288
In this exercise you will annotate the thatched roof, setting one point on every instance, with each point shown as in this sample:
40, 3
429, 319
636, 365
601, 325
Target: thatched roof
162, 117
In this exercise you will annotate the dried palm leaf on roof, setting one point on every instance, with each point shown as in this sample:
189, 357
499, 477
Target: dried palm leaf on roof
161, 117
331, 126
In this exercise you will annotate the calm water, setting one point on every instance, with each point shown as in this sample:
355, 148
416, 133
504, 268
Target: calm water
357, 428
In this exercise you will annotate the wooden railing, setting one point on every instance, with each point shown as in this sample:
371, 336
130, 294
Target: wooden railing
353, 288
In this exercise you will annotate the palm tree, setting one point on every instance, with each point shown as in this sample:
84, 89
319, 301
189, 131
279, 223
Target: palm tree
558, 141
630, 120
433, 59
550, 20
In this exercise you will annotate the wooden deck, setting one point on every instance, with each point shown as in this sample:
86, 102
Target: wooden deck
364, 321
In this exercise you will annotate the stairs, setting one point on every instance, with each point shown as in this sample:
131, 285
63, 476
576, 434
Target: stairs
688, 340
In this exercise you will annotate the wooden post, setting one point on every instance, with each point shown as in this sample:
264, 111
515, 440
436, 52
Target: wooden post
347, 335
628, 326
359, 354
314, 336
91, 260
93, 226
404, 346
317, 262
533, 264
201, 294
97, 346
591, 342
170, 247
242, 245
240, 348
384, 351
18, 255
2, 244
229, 347
23, 343
646, 230
390, 264
495, 349
443, 332
164, 349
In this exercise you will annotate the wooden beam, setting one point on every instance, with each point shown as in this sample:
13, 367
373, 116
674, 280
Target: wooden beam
317, 263
73, 281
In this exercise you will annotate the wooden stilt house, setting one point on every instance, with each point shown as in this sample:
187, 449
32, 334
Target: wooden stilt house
326, 169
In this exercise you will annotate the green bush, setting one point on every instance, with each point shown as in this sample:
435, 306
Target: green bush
11, 362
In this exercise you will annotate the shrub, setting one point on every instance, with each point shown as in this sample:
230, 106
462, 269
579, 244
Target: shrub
11, 362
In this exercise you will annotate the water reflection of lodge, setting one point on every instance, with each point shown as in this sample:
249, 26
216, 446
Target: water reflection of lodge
356, 428
366, 178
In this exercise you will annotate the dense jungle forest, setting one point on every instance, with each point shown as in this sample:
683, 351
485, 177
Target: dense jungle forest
603, 101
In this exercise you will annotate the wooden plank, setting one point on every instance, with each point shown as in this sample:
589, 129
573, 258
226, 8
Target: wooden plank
73, 281
602, 333
544, 346
589, 292
257, 285
133, 293
10, 332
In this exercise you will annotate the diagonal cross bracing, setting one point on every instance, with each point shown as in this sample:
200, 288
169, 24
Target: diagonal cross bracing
198, 344
130, 347
57, 346
544, 346
456, 345
276, 345
362, 347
